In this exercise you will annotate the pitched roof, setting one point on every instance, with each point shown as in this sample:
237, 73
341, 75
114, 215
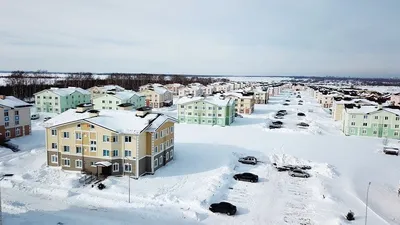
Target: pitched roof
214, 100
120, 121
65, 91
13, 102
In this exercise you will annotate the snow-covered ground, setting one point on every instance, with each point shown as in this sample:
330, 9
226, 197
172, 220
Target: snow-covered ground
201, 174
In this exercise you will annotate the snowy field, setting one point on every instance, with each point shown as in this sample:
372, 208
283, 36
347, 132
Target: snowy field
201, 174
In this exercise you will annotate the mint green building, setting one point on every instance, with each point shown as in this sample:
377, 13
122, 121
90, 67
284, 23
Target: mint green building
58, 100
210, 111
372, 121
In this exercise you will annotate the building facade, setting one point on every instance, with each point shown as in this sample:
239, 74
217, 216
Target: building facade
58, 100
206, 110
101, 90
372, 121
15, 118
112, 100
174, 88
122, 141
157, 97
244, 103
395, 99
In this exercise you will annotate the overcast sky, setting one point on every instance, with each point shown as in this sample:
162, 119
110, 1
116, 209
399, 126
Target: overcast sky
238, 37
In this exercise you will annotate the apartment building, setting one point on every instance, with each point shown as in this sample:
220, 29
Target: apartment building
101, 90
112, 100
109, 142
339, 103
372, 121
208, 90
174, 88
58, 100
15, 118
260, 96
194, 91
157, 97
150, 86
244, 102
206, 110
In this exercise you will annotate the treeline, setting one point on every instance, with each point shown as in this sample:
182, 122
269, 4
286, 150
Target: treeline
23, 84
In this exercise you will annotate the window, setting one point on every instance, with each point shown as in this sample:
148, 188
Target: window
397, 118
92, 164
171, 142
352, 131
209, 108
66, 148
115, 153
189, 113
78, 136
128, 153
161, 133
54, 159
106, 138
156, 135
106, 152
162, 147
17, 122
219, 108
155, 162
114, 138
182, 106
53, 145
386, 118
103, 101
93, 142
167, 156
128, 139
5, 113
128, 167
6, 124
91, 126
396, 126
365, 116
78, 163
17, 132
117, 102
219, 115
364, 131
195, 107
353, 116
67, 162
375, 132
156, 149
8, 134
93, 149
78, 125
167, 131
110, 102
385, 125
116, 167
171, 154
376, 117
353, 123
396, 133
66, 134
189, 107
365, 124
78, 149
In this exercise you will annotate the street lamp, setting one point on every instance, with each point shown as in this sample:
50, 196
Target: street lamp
366, 203
1, 178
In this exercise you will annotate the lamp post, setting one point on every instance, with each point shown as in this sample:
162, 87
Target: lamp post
1, 178
366, 204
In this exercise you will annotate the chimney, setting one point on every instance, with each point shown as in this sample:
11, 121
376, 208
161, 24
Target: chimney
143, 111
125, 106
93, 113
2, 97
81, 108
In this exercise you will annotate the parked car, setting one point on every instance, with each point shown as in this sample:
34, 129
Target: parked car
238, 115
272, 126
277, 122
286, 104
304, 167
287, 100
46, 118
299, 173
281, 168
301, 114
246, 177
391, 151
303, 125
35, 116
290, 167
298, 96
223, 207
300, 100
278, 117
248, 160
282, 111
300, 103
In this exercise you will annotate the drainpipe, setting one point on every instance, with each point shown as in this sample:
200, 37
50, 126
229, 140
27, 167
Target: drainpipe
137, 156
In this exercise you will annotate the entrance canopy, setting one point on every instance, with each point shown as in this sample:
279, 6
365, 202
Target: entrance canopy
103, 164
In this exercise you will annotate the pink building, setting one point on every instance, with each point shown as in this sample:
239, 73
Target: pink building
395, 99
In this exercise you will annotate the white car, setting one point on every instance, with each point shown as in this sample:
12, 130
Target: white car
299, 173
248, 160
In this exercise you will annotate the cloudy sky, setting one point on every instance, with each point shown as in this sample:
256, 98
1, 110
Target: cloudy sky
238, 37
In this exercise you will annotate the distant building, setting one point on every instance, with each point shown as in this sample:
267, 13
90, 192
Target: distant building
244, 102
58, 100
100, 90
157, 97
395, 99
206, 110
174, 88
15, 118
111, 100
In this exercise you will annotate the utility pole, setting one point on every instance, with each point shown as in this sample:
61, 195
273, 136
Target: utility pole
366, 204
1, 178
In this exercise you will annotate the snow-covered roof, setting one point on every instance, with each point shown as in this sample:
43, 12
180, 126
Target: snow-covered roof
395, 111
12, 102
214, 100
120, 121
125, 95
103, 163
66, 91
362, 109
237, 95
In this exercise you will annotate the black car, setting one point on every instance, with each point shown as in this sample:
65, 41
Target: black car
290, 167
223, 207
281, 168
249, 177
287, 101
304, 167
282, 111
277, 123
238, 115
301, 114
286, 104
303, 125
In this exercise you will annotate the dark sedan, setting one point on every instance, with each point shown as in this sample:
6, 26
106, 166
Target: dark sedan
249, 177
224, 208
